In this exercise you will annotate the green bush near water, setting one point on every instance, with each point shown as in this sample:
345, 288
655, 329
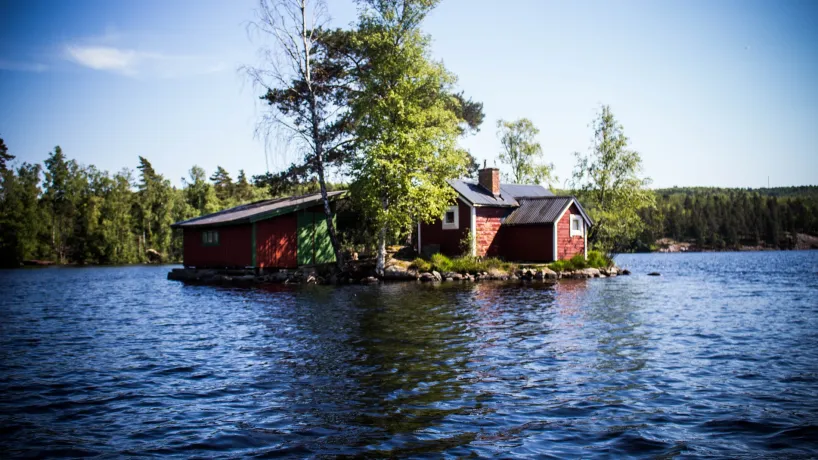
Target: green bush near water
465, 264
421, 265
596, 259
469, 264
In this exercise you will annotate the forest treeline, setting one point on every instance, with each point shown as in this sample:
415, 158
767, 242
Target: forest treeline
64, 212
723, 219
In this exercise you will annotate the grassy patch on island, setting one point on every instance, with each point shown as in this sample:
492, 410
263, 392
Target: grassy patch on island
465, 264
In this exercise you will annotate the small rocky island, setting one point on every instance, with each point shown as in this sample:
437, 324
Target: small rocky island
438, 269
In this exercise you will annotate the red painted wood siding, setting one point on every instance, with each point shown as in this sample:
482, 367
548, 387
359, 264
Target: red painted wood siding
234, 248
277, 242
527, 243
568, 246
449, 240
488, 225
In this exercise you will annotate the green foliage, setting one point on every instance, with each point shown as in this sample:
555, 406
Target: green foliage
466, 244
608, 184
441, 262
521, 152
5, 156
577, 262
465, 264
597, 259
79, 214
421, 265
223, 184
559, 265
405, 126
713, 218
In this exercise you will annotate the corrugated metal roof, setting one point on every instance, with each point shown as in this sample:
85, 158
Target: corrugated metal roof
477, 195
255, 211
542, 210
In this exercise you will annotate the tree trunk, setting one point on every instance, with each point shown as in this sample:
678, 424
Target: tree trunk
380, 261
318, 143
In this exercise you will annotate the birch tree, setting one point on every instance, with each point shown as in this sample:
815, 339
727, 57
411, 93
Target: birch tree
522, 153
607, 180
407, 123
304, 80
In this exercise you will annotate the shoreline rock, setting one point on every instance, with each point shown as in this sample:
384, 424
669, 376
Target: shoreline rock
361, 273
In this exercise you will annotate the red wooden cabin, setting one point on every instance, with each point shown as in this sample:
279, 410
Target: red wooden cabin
524, 223
280, 233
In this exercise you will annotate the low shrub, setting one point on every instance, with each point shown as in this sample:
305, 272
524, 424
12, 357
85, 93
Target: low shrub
441, 263
558, 266
421, 265
465, 264
577, 262
470, 265
597, 259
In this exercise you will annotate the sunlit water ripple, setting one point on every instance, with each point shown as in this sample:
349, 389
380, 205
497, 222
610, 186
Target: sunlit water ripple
718, 357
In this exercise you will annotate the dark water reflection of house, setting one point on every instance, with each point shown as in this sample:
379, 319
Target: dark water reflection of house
376, 366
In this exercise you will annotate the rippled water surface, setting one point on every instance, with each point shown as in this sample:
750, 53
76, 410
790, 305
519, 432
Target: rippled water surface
718, 357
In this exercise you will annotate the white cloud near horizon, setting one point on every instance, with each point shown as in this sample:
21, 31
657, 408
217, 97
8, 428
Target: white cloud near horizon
135, 63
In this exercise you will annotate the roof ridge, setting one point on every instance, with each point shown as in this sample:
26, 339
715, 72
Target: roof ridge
253, 208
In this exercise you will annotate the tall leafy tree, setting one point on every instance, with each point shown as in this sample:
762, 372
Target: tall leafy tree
199, 194
305, 81
117, 220
608, 181
61, 194
155, 217
405, 123
20, 214
243, 189
522, 153
223, 184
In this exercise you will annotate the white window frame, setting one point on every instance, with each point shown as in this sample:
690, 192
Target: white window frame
581, 230
456, 224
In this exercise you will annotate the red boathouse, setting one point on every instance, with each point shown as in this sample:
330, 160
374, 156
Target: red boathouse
524, 223
280, 233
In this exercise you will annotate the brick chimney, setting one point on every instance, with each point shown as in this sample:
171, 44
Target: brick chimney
489, 179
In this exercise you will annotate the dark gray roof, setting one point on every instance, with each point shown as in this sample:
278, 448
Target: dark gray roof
477, 195
253, 212
542, 210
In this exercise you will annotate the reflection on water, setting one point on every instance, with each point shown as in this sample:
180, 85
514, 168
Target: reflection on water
715, 358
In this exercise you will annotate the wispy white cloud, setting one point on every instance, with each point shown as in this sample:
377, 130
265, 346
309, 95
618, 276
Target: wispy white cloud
17, 66
105, 58
135, 63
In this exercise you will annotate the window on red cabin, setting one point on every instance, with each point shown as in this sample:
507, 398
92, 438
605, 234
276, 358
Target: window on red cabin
576, 225
450, 218
210, 238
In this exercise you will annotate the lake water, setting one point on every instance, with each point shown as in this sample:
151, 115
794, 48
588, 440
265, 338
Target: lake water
718, 357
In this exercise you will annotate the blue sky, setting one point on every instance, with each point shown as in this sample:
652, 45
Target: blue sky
710, 93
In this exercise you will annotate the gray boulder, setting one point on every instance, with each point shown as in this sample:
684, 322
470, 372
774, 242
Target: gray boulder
592, 272
395, 273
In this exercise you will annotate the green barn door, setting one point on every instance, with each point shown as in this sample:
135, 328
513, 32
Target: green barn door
314, 245
306, 237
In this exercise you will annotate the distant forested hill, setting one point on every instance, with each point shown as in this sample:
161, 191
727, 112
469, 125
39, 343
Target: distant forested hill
723, 218
64, 212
